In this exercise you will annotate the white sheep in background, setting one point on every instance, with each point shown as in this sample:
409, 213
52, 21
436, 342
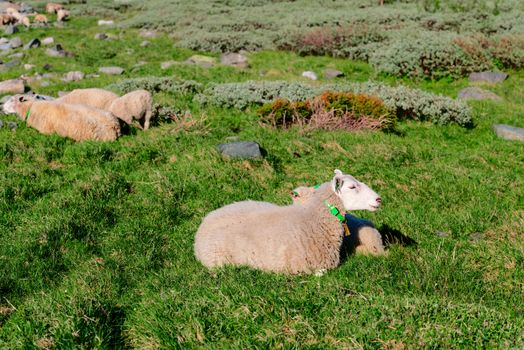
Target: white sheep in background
78, 122
364, 238
299, 238
137, 105
92, 97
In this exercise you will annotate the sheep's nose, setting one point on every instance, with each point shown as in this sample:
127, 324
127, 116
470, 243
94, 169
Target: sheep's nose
379, 200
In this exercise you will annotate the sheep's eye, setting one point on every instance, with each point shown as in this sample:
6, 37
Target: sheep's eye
352, 187
294, 194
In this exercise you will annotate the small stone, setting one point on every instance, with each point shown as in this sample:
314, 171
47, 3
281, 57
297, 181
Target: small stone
6, 46
9, 64
48, 41
13, 86
17, 55
33, 44
111, 70
488, 77
508, 132
240, 150
28, 66
16, 42
330, 73
12, 125
234, 59
310, 75
201, 60
10, 29
103, 22
475, 93
167, 64
56, 51
148, 33
145, 43
100, 36
73, 76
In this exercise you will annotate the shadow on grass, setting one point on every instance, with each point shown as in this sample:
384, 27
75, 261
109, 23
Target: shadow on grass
393, 236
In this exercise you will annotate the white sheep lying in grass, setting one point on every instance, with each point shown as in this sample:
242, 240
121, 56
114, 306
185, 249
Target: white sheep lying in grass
78, 122
299, 238
137, 105
92, 97
364, 237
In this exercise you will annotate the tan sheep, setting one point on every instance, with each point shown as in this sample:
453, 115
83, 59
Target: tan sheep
92, 97
61, 15
137, 105
364, 238
24, 20
74, 121
299, 238
53, 7
39, 18
7, 19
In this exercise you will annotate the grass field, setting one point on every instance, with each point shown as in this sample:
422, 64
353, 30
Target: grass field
97, 238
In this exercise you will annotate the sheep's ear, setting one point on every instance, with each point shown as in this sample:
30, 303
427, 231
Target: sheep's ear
337, 181
22, 99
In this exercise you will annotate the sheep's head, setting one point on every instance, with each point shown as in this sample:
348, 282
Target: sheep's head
302, 194
14, 102
354, 194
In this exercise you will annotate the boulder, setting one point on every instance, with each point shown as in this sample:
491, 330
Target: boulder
34, 43
330, 73
103, 22
73, 76
16, 43
48, 41
111, 70
475, 93
488, 77
508, 132
201, 60
240, 150
310, 75
10, 29
234, 59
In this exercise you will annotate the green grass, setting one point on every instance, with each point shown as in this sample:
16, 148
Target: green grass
97, 238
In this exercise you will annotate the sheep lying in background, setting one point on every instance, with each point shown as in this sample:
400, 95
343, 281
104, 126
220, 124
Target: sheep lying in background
51, 7
137, 105
75, 121
93, 97
364, 238
40, 18
62, 15
299, 238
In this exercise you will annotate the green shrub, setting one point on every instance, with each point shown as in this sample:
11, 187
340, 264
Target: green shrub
157, 84
330, 111
405, 102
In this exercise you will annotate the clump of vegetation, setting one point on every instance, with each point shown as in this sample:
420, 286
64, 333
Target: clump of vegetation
330, 111
157, 84
404, 102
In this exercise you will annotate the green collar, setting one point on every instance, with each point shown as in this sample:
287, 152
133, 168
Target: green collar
335, 212
27, 114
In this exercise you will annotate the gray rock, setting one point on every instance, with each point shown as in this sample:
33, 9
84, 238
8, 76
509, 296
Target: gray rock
105, 22
145, 43
476, 93
73, 76
13, 86
234, 59
16, 42
310, 75
34, 43
17, 55
240, 150
202, 61
111, 70
10, 29
148, 33
12, 64
330, 73
56, 51
48, 41
6, 46
12, 125
167, 64
488, 77
25, 8
100, 36
508, 132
